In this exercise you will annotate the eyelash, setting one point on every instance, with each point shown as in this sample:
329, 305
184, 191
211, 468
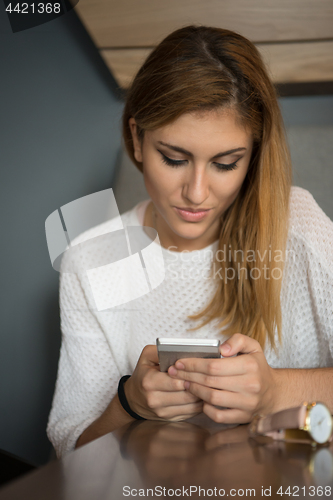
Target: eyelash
179, 163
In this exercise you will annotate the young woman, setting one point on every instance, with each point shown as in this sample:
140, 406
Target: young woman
248, 258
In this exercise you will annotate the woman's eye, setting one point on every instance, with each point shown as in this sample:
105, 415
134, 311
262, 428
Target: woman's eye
172, 163
229, 166
219, 166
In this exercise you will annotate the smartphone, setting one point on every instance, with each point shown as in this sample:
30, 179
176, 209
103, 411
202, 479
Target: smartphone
170, 350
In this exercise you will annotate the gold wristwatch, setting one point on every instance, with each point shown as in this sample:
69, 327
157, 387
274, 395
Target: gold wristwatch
309, 423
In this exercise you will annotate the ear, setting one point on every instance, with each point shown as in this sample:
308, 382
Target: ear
136, 141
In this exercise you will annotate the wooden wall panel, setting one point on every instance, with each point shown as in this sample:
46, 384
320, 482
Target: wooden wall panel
299, 62
143, 23
287, 63
124, 63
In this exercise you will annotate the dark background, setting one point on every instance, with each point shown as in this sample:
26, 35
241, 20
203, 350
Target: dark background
60, 140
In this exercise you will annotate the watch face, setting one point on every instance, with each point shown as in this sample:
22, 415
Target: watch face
320, 423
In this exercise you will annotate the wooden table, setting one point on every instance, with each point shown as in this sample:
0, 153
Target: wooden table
173, 460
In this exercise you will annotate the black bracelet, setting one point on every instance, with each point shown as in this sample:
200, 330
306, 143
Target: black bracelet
123, 400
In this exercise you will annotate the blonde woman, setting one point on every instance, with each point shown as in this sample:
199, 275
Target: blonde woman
247, 256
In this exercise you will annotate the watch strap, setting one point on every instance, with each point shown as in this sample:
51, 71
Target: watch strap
291, 418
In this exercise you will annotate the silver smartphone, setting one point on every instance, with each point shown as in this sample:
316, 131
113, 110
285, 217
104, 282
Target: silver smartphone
170, 350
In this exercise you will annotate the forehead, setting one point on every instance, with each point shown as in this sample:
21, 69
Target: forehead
203, 126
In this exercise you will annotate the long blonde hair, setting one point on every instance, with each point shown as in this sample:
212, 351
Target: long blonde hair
202, 68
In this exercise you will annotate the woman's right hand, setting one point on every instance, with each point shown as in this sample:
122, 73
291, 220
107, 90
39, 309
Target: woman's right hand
154, 395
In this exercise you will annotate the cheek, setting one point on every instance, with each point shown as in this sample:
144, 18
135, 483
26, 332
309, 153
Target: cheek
155, 184
158, 180
230, 185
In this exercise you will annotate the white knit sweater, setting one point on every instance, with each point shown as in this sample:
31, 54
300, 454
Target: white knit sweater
98, 347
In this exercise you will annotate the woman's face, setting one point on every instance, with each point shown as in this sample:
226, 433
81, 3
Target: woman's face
193, 170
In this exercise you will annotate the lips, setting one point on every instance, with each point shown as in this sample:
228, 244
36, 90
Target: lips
192, 215
193, 210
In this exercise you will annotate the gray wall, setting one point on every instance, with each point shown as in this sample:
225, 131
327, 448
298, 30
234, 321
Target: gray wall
60, 138
309, 125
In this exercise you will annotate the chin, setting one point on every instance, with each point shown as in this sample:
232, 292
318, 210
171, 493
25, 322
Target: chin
190, 234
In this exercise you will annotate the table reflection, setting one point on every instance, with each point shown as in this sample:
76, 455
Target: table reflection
145, 455
178, 455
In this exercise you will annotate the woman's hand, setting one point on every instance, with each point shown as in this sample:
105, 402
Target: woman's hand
242, 385
155, 395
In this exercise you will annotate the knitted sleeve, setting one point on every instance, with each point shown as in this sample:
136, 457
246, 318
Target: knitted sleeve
314, 232
87, 373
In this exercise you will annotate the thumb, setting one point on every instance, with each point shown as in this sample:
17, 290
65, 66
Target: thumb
149, 355
239, 344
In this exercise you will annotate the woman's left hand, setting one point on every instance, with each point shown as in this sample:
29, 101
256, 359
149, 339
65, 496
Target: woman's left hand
243, 385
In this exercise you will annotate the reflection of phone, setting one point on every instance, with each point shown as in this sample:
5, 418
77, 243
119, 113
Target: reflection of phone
169, 350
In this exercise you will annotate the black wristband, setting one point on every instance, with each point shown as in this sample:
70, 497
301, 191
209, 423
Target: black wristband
123, 400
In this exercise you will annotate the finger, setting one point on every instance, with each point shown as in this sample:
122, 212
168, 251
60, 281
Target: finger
216, 382
199, 365
239, 343
236, 383
227, 416
154, 380
226, 399
212, 367
158, 399
179, 413
149, 355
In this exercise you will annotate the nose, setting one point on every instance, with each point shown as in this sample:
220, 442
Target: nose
196, 186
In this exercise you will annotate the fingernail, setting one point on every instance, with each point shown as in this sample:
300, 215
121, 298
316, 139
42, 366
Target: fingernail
187, 385
172, 370
225, 348
179, 365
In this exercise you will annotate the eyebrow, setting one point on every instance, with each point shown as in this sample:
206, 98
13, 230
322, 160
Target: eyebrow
181, 150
